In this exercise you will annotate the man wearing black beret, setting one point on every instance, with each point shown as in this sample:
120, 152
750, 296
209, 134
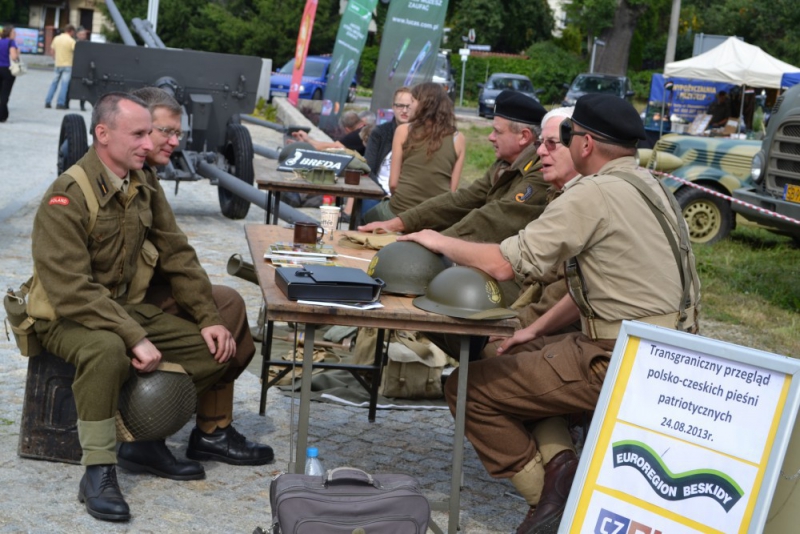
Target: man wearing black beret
628, 257
508, 196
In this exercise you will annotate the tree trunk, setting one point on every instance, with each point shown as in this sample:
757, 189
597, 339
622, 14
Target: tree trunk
613, 57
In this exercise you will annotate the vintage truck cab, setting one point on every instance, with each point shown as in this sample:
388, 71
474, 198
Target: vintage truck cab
774, 183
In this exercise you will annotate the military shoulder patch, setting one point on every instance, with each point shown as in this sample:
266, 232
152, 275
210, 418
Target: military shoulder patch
522, 197
59, 200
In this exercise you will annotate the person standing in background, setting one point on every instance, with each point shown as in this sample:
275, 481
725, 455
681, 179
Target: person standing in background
83, 35
8, 53
63, 48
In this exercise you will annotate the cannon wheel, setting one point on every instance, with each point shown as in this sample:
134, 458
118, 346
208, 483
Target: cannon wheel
239, 156
317, 94
72, 141
709, 218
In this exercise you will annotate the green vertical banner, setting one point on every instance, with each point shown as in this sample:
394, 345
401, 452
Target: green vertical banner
301, 50
346, 54
410, 42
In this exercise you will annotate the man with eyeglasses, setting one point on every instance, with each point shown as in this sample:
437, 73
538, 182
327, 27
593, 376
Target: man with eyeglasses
627, 253
379, 143
102, 312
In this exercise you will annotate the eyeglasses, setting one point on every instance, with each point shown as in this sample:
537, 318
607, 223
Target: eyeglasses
169, 132
565, 132
549, 144
402, 106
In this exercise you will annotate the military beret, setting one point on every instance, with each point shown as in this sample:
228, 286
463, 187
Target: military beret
518, 107
610, 117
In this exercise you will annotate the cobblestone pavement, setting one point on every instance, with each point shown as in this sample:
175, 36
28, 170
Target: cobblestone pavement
40, 496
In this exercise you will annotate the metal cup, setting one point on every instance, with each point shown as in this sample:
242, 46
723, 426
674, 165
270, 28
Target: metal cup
308, 233
352, 177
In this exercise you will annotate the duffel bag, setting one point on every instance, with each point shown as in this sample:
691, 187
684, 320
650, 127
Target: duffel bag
347, 500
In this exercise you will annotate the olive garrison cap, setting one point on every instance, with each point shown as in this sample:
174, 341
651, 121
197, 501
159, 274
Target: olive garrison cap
518, 107
609, 116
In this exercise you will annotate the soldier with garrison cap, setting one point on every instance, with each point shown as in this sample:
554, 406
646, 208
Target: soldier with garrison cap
508, 196
628, 257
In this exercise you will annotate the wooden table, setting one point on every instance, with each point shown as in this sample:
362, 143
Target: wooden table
398, 313
277, 182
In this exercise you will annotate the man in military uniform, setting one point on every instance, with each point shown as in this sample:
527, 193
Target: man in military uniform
622, 265
87, 299
509, 195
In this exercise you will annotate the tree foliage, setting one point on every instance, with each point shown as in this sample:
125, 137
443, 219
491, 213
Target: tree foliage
507, 25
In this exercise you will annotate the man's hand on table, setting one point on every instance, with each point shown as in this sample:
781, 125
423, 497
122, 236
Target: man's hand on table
384, 227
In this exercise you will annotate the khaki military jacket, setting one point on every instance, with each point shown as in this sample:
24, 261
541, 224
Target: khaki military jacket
492, 208
86, 276
628, 267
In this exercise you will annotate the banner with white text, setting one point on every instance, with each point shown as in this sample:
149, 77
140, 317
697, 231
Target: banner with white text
409, 45
346, 54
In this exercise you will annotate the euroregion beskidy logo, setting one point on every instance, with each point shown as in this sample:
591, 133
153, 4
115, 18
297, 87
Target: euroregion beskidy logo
676, 487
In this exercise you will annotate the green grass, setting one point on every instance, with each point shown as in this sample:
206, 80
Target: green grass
480, 152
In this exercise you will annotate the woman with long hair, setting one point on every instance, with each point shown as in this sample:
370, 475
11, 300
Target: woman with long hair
427, 153
8, 53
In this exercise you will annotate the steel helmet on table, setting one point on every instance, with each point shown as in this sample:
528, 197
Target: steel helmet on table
406, 267
466, 293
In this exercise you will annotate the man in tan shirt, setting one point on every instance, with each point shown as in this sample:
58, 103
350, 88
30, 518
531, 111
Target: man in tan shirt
63, 48
621, 265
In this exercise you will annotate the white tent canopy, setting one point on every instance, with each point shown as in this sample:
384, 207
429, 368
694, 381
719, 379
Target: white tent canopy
733, 62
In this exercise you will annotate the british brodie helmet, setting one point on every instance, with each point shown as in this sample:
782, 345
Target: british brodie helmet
466, 293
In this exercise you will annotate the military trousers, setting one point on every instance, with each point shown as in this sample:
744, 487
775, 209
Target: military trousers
561, 375
103, 362
232, 311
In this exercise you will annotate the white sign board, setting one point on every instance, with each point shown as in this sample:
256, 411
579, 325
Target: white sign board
688, 436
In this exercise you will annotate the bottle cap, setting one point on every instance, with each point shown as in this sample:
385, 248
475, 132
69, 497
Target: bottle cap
312, 452
327, 200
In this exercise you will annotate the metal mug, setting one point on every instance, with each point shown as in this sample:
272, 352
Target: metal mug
352, 177
308, 233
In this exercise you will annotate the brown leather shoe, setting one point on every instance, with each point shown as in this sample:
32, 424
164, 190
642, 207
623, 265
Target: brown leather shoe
546, 516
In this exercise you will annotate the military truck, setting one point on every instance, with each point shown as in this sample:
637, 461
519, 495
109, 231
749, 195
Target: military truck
719, 164
775, 175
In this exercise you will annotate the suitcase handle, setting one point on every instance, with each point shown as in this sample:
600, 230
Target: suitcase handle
352, 475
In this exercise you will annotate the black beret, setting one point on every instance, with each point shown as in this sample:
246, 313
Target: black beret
610, 117
518, 107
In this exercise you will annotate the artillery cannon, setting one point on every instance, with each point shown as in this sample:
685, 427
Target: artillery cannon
213, 89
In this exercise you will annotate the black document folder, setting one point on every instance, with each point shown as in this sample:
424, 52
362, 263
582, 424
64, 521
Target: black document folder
326, 283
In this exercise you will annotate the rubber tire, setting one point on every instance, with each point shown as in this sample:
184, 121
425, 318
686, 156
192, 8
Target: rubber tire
317, 94
72, 141
709, 218
238, 154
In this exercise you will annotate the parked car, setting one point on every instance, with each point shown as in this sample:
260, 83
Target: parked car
716, 163
443, 74
315, 78
502, 81
598, 83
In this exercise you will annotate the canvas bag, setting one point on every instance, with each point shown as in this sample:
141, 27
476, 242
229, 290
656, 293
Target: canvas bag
414, 365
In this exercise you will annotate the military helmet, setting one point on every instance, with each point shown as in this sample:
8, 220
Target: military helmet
155, 405
288, 151
466, 293
406, 267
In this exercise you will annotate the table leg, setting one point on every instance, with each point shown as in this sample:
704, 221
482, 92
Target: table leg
268, 207
266, 351
376, 376
305, 400
276, 207
355, 215
458, 437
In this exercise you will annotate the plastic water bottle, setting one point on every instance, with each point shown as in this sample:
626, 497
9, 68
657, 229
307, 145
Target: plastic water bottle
313, 465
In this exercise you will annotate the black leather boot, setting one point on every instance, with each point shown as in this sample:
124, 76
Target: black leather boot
229, 446
99, 490
154, 457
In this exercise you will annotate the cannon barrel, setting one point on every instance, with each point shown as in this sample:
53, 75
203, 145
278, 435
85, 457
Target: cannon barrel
269, 153
119, 22
261, 122
248, 192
